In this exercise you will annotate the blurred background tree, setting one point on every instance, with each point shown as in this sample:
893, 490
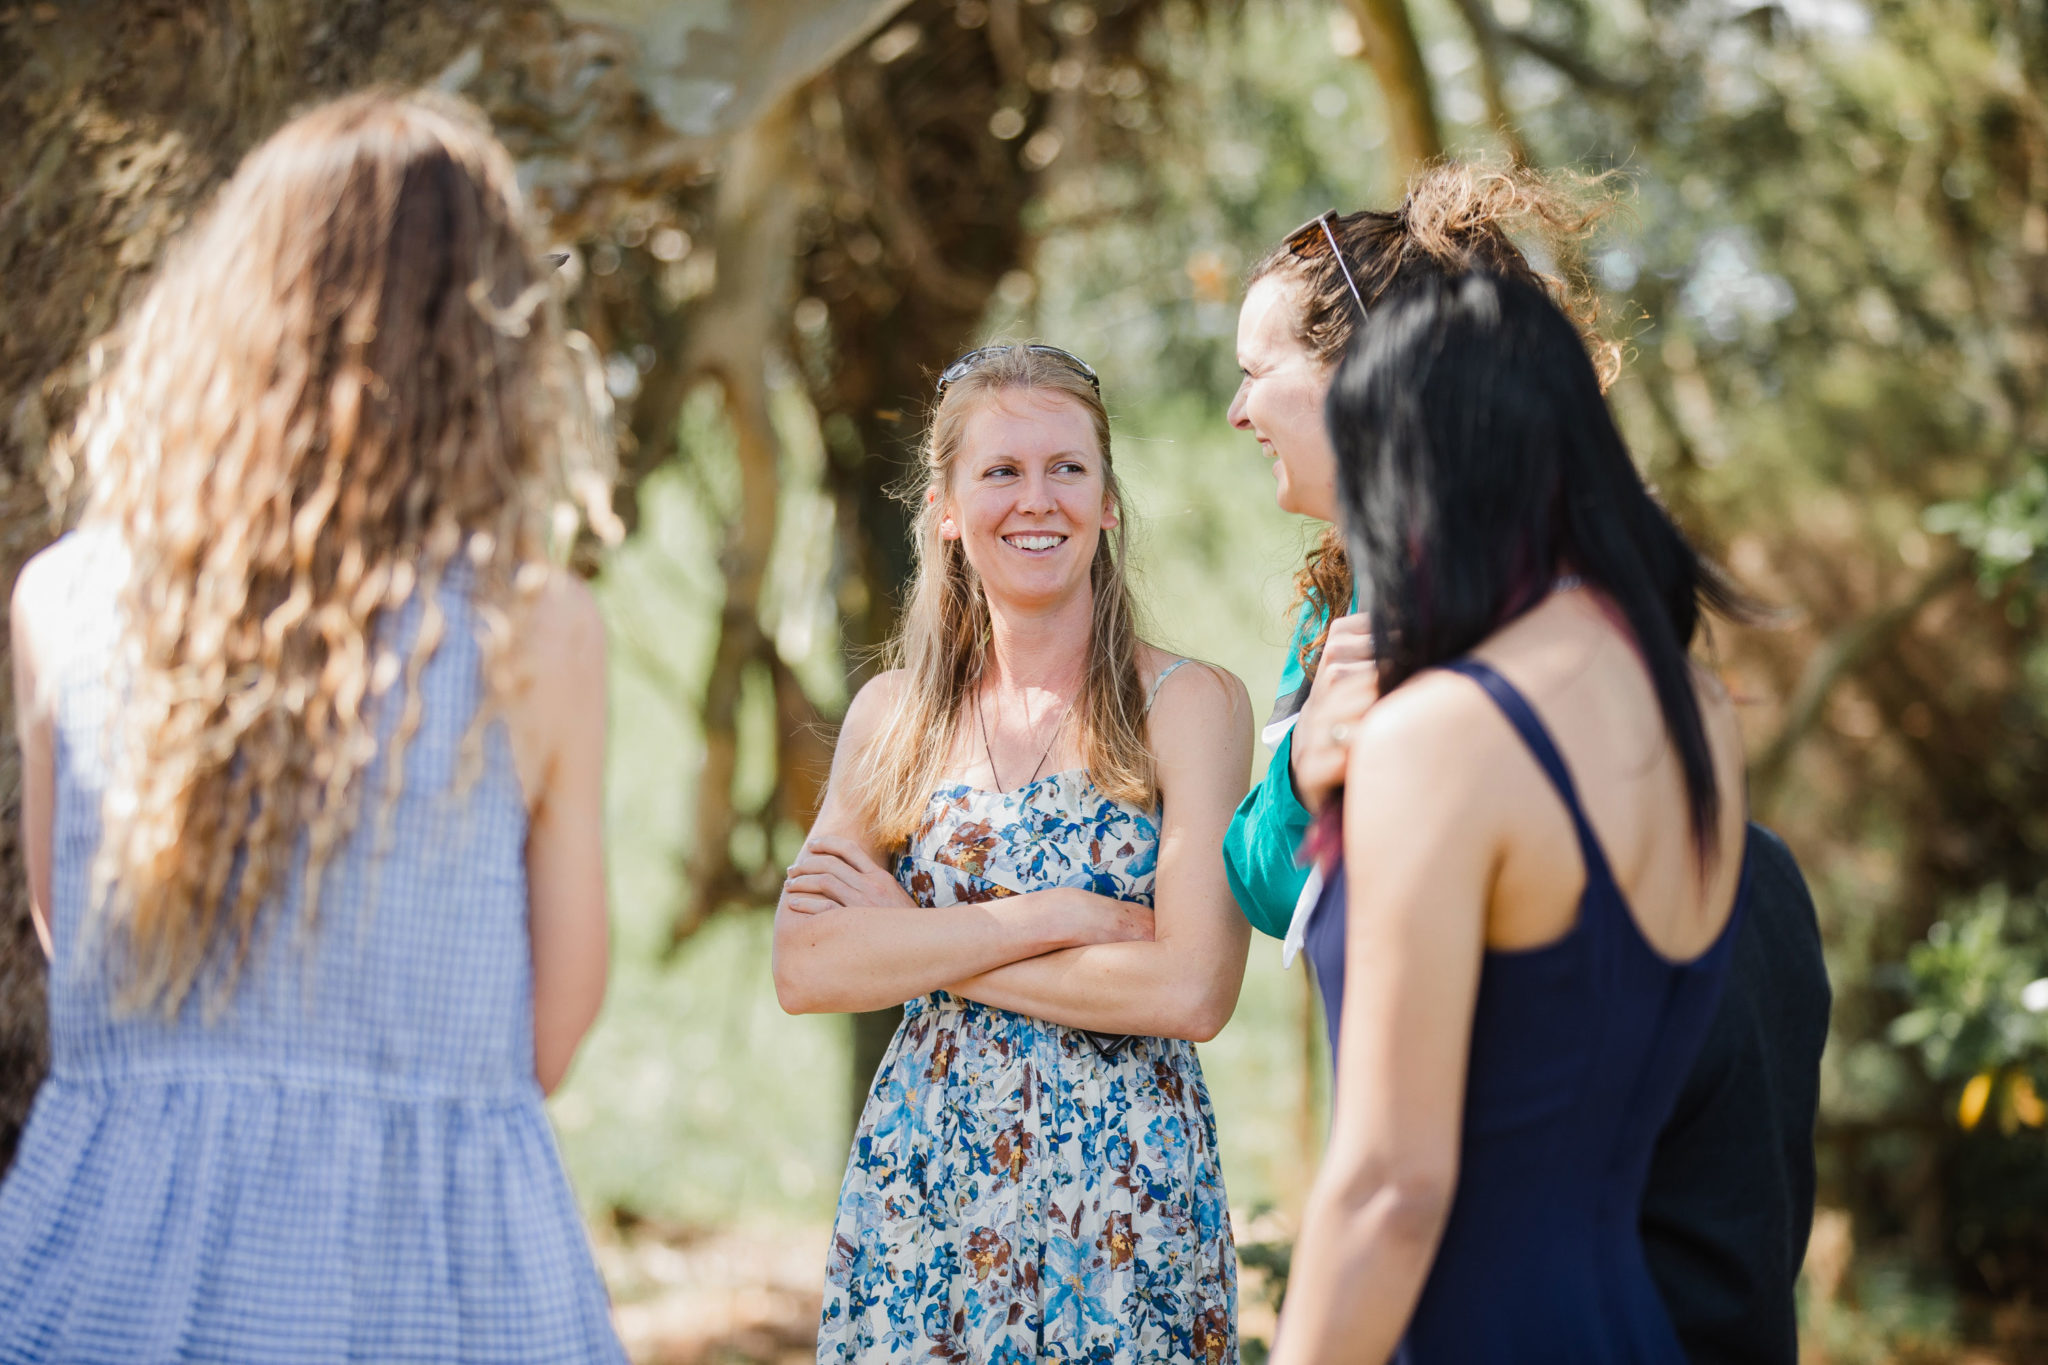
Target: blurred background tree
786, 216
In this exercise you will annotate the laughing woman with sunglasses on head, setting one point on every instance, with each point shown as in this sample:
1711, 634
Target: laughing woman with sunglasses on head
1305, 300
1020, 838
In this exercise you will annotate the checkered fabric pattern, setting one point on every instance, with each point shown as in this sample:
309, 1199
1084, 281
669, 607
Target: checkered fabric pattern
350, 1161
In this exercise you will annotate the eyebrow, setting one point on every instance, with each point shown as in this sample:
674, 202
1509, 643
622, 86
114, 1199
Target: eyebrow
1057, 455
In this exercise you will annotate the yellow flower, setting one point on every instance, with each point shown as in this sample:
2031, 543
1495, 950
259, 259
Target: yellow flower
1976, 1095
2026, 1105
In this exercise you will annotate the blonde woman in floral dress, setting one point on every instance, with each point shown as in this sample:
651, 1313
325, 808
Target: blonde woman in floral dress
1022, 839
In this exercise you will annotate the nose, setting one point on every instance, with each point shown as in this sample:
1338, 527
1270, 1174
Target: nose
1034, 493
1235, 415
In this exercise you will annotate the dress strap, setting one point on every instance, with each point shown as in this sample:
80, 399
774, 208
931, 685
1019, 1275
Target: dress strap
1530, 727
1160, 681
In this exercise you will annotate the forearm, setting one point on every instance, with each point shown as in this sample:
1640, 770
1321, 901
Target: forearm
1259, 848
871, 957
1365, 1251
1163, 989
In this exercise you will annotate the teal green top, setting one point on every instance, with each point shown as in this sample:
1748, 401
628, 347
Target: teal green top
1271, 822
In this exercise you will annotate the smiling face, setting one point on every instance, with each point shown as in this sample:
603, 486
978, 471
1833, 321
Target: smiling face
1280, 398
1028, 498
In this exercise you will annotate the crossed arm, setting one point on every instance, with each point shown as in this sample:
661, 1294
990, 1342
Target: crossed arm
848, 937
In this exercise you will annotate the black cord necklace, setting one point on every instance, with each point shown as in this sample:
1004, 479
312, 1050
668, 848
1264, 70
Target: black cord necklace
989, 753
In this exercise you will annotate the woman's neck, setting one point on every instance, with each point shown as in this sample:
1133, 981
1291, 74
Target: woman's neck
1040, 650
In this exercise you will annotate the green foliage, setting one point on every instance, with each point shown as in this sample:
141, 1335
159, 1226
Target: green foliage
1979, 1026
1969, 984
2006, 530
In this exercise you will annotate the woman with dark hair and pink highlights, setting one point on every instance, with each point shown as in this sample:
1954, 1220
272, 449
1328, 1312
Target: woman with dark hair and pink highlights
1544, 829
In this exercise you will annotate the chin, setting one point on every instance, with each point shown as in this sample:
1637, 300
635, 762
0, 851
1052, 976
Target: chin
1290, 502
1032, 596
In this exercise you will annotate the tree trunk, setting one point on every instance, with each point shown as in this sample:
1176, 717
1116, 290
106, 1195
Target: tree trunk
920, 217
1396, 61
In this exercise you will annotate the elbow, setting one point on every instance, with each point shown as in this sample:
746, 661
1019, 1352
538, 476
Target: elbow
796, 990
1199, 1015
1409, 1203
552, 1059
1206, 1019
559, 1028
792, 992
1418, 1205
1210, 1002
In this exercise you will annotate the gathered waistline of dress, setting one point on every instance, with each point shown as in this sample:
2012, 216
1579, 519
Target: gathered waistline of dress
1143, 1048
340, 1081
942, 1002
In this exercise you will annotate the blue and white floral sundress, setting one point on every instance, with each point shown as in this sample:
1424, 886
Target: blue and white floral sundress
1018, 1190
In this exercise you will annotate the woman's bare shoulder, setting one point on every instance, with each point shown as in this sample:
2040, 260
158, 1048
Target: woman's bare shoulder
1184, 690
1432, 717
874, 701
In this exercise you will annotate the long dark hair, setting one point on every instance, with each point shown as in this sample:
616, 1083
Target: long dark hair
1476, 461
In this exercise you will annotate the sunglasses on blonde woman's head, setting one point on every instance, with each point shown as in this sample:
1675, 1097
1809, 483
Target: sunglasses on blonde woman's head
960, 368
1305, 243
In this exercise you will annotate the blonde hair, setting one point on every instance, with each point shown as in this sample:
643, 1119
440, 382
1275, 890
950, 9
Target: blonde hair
348, 377
1457, 216
942, 643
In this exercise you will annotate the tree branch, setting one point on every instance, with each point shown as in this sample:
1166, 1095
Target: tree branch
1839, 656
1569, 64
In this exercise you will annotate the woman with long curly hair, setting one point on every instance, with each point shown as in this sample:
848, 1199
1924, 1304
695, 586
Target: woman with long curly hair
1021, 839
313, 744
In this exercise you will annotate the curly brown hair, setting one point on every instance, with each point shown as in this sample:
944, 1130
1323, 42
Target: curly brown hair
1457, 216
347, 384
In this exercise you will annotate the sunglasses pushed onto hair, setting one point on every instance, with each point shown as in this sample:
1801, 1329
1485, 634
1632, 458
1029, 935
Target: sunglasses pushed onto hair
960, 368
1304, 242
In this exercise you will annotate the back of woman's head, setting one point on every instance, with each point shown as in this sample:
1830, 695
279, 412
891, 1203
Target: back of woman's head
1456, 217
1476, 462
346, 383
943, 639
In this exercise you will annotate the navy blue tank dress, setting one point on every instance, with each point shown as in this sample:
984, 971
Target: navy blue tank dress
1579, 1048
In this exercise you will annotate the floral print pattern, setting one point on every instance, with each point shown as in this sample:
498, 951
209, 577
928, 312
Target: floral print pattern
1017, 1193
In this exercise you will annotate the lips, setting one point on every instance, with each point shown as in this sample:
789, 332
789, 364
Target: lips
1034, 543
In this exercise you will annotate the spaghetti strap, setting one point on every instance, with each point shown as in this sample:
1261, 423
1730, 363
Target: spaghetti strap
1160, 681
1541, 747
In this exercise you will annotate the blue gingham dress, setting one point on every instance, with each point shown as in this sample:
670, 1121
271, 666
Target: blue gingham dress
349, 1163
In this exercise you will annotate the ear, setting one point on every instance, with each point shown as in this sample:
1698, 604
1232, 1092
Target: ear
1109, 517
947, 529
